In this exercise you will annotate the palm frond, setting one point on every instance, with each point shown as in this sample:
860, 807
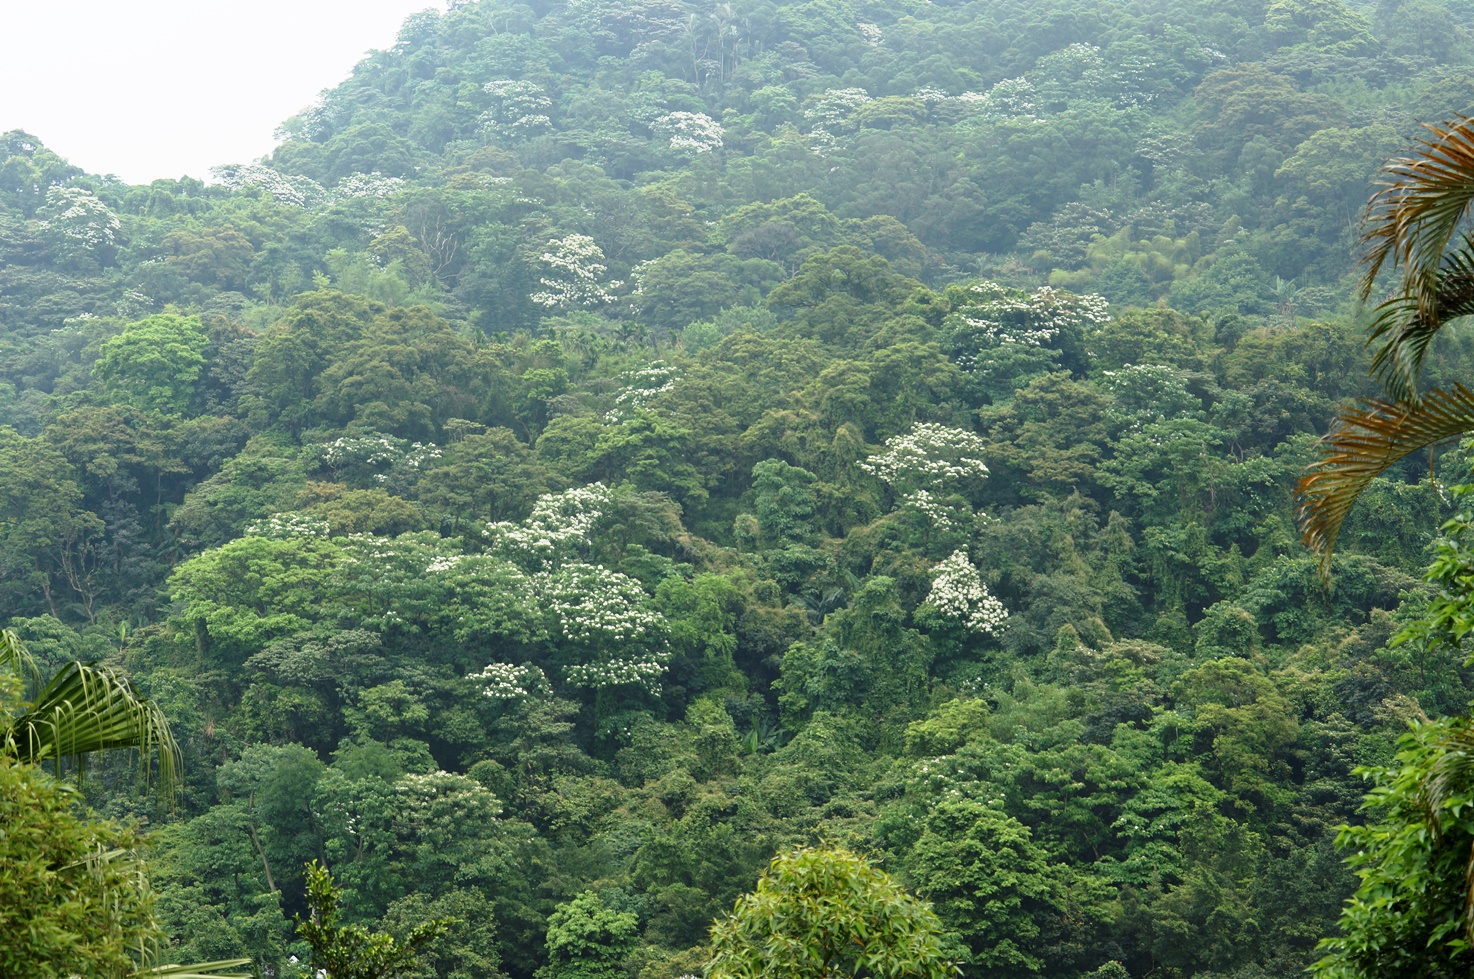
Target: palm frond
1402, 334
1412, 219
1362, 443
197, 970
88, 708
15, 657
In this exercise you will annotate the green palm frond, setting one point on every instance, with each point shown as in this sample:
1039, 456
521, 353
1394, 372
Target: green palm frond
1412, 219
1401, 332
1363, 442
14, 656
198, 970
88, 708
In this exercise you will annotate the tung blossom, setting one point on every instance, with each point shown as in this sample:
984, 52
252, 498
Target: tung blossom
958, 593
506, 681
929, 453
573, 277
693, 132
283, 188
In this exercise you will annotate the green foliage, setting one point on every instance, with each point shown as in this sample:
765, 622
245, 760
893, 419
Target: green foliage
992, 887
76, 899
553, 481
1408, 915
352, 951
587, 940
827, 912
155, 363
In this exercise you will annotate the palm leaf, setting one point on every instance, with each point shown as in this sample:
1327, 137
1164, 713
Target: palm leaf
1425, 197
15, 657
1405, 334
88, 708
1363, 442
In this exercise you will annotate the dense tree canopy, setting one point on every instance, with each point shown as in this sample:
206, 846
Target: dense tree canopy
608, 444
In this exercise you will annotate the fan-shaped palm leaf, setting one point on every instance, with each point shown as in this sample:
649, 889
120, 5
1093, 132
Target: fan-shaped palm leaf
85, 708
1363, 442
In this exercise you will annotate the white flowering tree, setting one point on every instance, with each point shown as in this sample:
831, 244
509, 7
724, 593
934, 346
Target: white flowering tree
929, 456
374, 185
689, 132
557, 530
283, 188
375, 458
832, 114
285, 526
1012, 98
511, 683
600, 624
1003, 338
519, 110
929, 468
1151, 392
605, 619
959, 597
76, 224
640, 387
574, 275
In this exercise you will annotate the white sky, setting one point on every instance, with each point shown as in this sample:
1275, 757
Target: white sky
164, 88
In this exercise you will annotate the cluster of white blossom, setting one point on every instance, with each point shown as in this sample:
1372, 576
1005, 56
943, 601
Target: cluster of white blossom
928, 453
284, 526
558, 524
519, 111
929, 507
79, 218
377, 450
1151, 391
958, 592
999, 317
373, 185
134, 304
1010, 98
693, 132
427, 803
373, 450
575, 273
284, 188
871, 34
644, 672
637, 277
1063, 309
932, 96
832, 113
418, 454
508, 681
442, 563
1076, 71
947, 776
589, 603
640, 387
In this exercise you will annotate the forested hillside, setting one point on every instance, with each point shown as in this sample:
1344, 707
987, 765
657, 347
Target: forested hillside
608, 442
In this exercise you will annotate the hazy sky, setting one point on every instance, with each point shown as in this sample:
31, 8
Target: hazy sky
163, 88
